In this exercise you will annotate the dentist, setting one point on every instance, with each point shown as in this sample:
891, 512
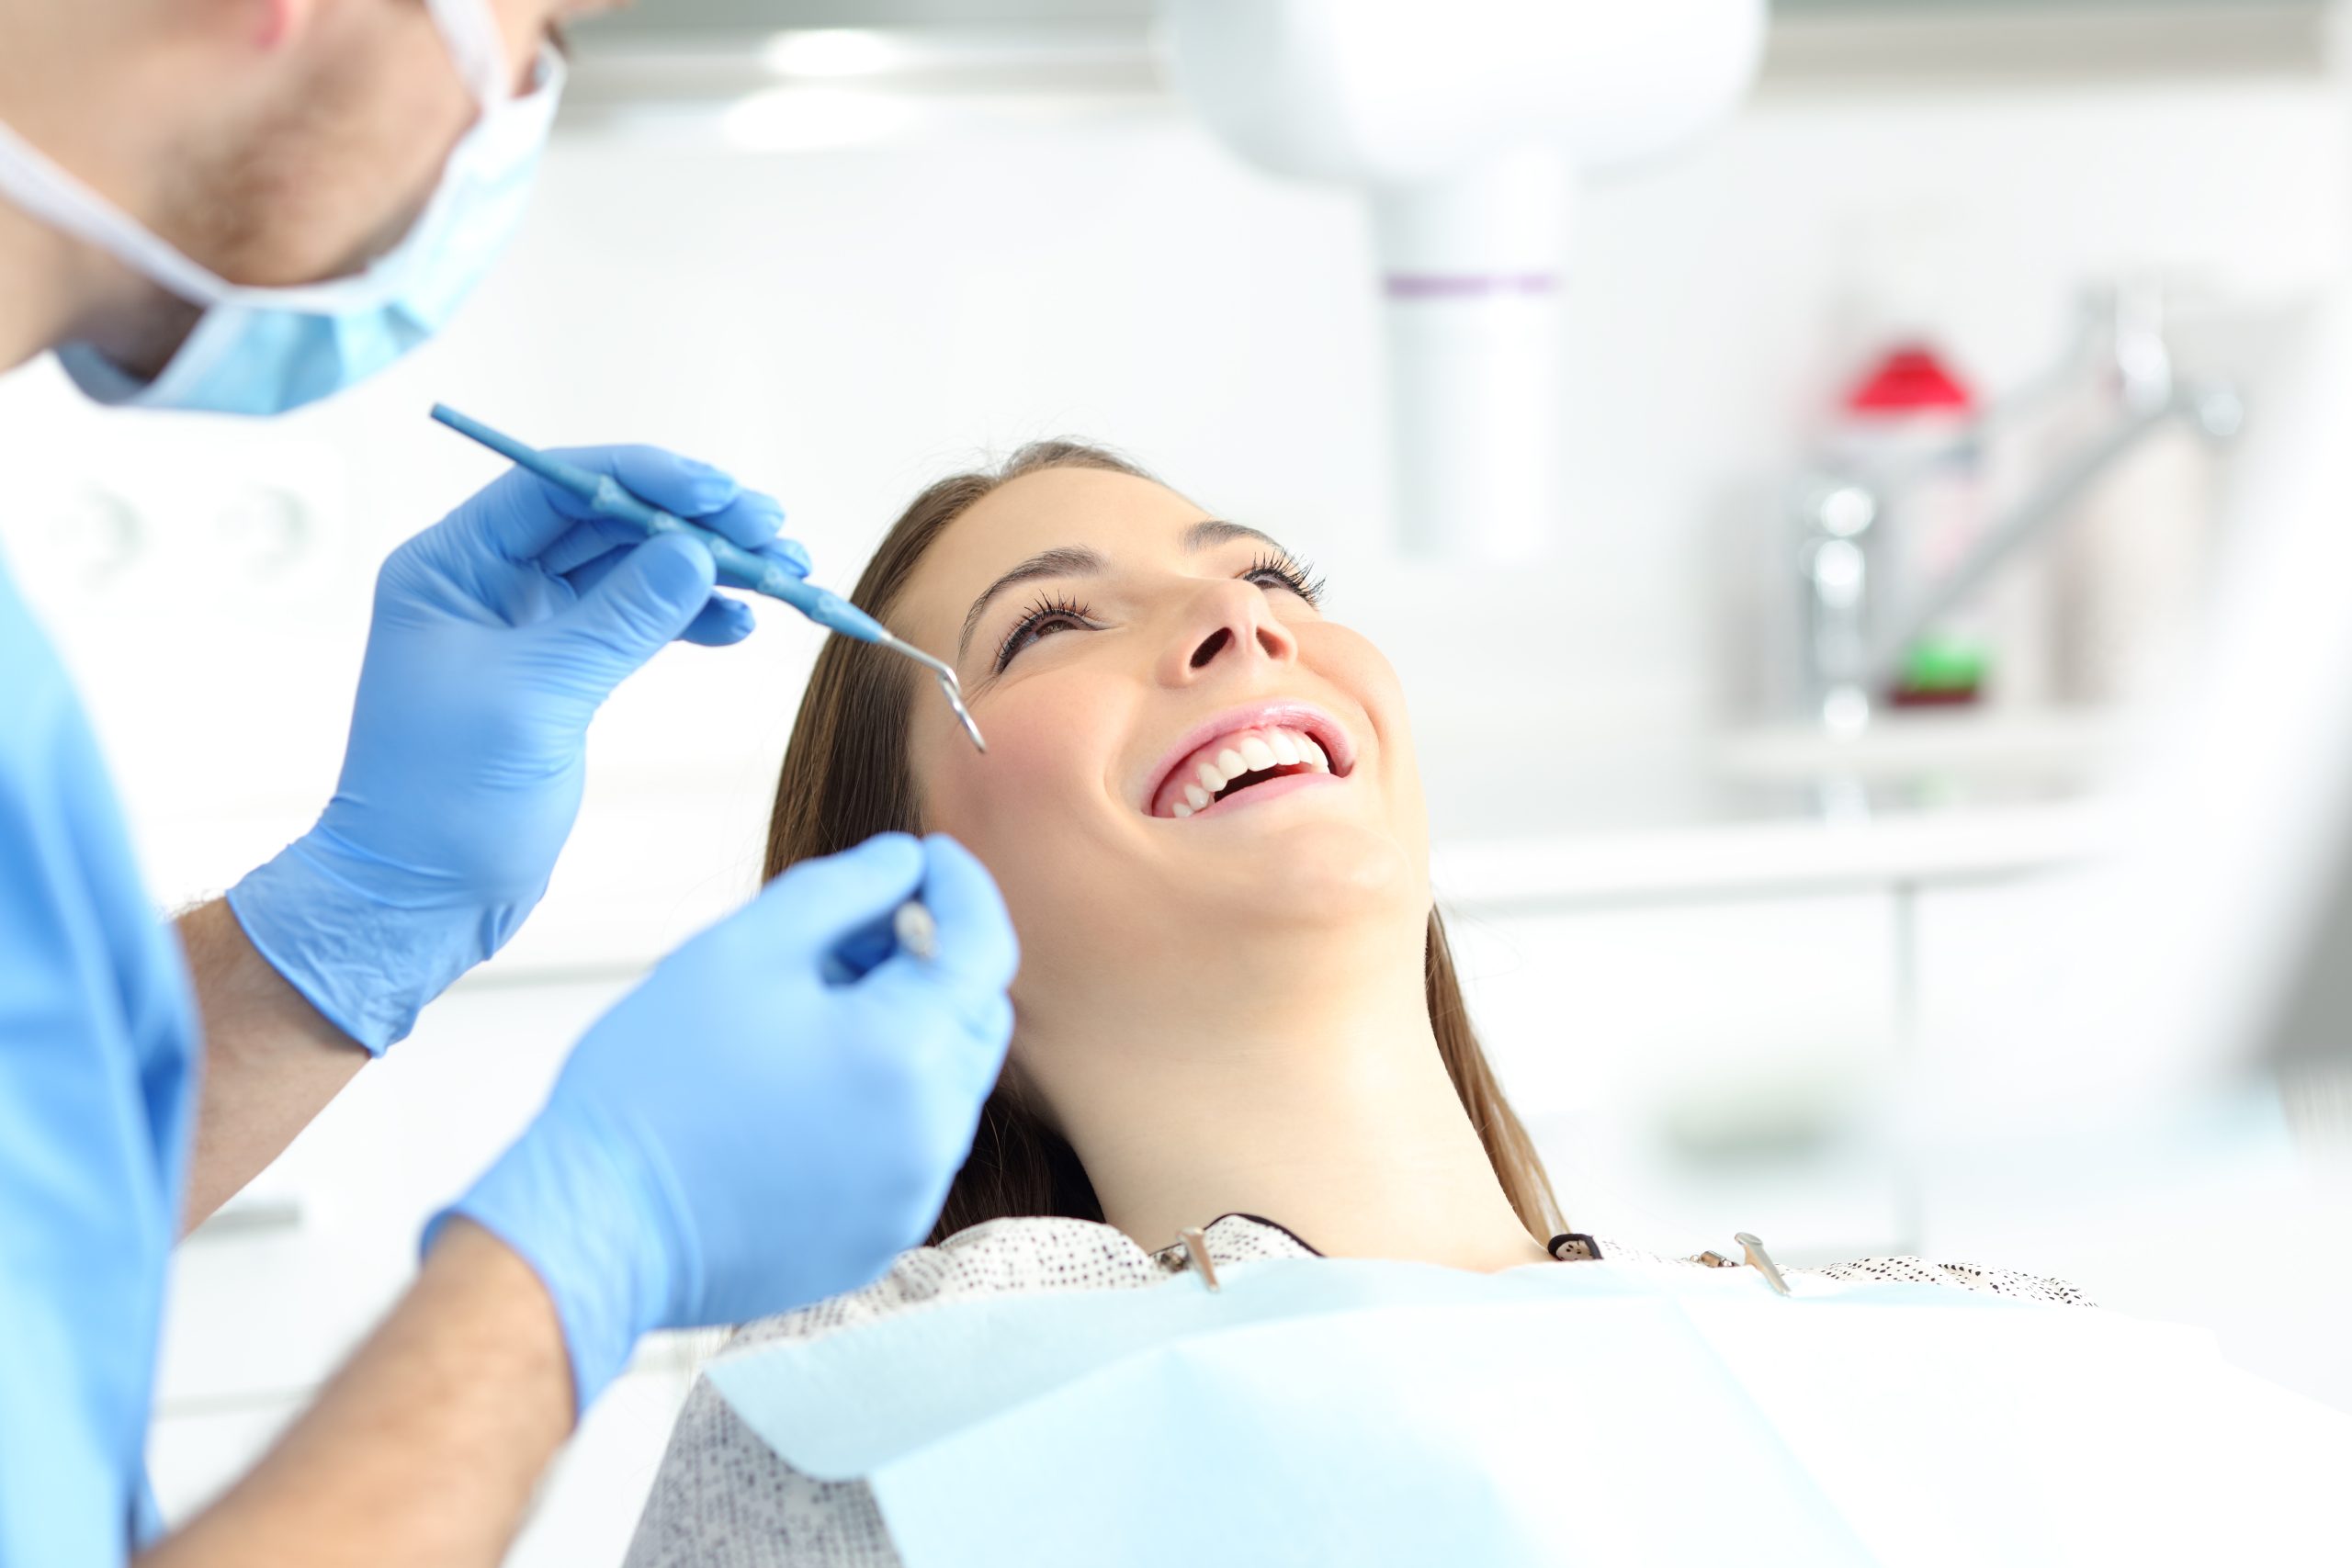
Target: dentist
744, 1133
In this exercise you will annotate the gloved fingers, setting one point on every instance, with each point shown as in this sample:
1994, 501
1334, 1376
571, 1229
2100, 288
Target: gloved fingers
818, 906
685, 487
585, 542
600, 536
863, 949
519, 515
509, 521
973, 961
977, 945
752, 520
790, 554
721, 623
635, 606
682, 487
966, 1058
584, 577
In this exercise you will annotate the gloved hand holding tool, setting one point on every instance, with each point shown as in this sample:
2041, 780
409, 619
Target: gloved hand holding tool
497, 634
771, 1115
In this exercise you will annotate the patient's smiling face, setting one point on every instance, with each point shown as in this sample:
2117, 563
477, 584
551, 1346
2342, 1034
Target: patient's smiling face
1143, 659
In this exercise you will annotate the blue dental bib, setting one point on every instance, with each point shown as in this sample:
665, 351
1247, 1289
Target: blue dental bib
1375, 1414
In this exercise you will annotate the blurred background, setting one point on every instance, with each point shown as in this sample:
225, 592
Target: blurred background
1745, 822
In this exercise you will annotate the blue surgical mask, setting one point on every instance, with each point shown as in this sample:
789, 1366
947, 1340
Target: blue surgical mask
264, 351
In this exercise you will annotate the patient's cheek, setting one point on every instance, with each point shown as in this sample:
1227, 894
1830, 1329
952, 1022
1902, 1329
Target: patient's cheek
1029, 774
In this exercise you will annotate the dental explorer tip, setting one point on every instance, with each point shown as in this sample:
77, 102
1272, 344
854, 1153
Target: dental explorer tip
953, 689
949, 686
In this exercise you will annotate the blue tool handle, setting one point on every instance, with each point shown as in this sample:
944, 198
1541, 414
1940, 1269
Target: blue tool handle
822, 605
738, 567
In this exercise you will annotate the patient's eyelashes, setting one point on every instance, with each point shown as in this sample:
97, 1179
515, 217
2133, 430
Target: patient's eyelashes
1045, 614
1274, 570
1279, 568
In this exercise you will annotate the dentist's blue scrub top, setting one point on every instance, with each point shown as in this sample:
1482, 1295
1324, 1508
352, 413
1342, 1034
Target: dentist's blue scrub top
97, 1064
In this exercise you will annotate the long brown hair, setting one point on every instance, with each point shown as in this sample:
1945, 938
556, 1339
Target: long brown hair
846, 777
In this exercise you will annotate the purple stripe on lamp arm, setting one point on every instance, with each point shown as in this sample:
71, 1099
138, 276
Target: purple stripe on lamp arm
1468, 285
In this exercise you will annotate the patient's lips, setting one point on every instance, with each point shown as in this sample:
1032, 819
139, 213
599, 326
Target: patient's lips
1234, 762
1240, 754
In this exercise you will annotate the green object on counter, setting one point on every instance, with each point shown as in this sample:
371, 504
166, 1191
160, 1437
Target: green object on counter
1949, 668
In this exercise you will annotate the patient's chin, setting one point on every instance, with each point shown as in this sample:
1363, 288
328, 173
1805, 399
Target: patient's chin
1326, 872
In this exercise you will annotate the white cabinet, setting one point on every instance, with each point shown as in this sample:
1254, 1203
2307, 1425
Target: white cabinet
2207, 1215
1694, 1069
1985, 950
583, 1516
194, 1453
270, 1303
587, 1506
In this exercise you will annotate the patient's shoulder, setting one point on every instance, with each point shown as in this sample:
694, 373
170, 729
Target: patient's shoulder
723, 1496
1009, 1257
1904, 1269
1960, 1276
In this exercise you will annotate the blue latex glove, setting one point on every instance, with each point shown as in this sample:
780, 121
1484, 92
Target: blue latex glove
757, 1126
497, 633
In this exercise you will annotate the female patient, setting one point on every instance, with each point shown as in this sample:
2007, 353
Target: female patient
1236, 1009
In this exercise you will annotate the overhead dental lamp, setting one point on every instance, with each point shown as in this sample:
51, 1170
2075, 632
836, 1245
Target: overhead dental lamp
1468, 124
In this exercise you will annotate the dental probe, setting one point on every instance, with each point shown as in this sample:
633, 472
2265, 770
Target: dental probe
738, 567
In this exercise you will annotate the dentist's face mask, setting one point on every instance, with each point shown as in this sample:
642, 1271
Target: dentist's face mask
264, 351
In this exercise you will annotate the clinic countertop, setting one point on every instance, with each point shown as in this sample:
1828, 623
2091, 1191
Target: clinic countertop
1747, 858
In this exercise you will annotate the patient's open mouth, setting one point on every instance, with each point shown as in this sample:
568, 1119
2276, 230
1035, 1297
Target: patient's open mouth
1250, 750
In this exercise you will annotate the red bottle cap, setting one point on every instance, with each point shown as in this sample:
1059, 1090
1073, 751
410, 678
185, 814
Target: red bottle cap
1911, 380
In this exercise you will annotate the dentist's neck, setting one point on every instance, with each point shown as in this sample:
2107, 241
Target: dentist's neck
1309, 1092
72, 84
39, 300
55, 290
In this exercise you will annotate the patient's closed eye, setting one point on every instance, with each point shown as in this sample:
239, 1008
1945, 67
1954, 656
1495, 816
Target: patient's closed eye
1275, 571
1279, 569
1046, 615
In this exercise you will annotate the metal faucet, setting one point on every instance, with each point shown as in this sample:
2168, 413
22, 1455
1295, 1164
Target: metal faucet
1855, 637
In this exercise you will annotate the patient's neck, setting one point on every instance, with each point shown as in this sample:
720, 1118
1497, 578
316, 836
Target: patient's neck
1307, 1090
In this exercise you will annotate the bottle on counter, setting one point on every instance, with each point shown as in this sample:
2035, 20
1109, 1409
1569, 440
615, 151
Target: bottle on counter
1908, 427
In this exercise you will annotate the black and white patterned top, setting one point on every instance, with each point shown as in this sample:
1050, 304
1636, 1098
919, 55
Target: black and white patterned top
724, 1500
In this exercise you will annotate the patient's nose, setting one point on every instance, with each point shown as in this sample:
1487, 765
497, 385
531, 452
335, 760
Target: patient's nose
1228, 622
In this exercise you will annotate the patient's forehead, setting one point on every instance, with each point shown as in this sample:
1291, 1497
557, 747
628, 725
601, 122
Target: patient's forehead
1118, 515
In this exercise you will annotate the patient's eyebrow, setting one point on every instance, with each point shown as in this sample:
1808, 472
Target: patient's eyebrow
1216, 531
1065, 561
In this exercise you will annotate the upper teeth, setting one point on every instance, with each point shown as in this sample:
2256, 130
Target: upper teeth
1253, 752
